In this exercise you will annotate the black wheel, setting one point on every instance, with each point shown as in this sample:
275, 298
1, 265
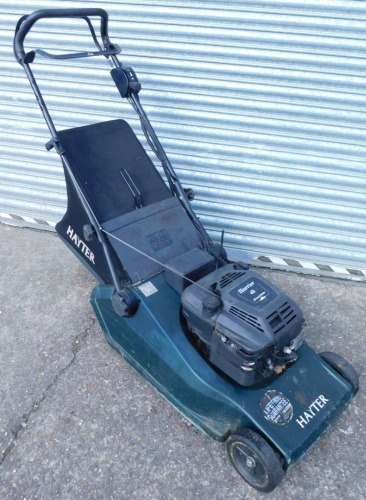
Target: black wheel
343, 367
125, 303
255, 460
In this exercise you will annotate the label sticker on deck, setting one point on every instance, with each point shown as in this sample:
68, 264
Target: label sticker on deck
148, 289
276, 408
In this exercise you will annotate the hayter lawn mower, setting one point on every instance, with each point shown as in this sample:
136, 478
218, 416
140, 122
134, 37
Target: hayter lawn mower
220, 342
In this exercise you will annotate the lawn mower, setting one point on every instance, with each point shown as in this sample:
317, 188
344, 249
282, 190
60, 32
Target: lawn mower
221, 343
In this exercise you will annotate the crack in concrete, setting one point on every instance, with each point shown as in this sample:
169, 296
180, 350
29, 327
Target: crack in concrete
17, 430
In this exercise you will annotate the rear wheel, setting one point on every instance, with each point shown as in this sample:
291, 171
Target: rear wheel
343, 367
255, 460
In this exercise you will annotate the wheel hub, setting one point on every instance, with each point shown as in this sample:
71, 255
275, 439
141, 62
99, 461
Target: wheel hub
249, 461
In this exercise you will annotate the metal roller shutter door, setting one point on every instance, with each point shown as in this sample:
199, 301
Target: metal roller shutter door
259, 104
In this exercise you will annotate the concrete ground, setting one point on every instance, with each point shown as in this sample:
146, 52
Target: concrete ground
77, 422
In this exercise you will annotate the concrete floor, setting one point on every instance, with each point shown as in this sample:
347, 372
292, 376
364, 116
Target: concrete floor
76, 421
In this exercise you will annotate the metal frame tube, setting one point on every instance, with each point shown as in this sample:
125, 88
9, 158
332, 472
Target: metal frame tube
174, 183
89, 211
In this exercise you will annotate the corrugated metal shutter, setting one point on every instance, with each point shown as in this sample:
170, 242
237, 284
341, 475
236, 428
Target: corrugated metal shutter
259, 104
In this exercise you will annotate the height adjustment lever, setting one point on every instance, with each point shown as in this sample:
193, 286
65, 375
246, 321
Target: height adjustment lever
126, 81
132, 187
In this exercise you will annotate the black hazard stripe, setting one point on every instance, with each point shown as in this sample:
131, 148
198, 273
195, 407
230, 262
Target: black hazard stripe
30, 220
327, 268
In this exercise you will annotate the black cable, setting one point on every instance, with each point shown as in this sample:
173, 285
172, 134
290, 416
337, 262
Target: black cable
173, 181
156, 148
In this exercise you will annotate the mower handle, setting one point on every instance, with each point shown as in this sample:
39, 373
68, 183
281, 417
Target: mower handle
26, 22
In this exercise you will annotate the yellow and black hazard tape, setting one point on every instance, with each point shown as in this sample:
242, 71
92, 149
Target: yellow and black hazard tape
308, 267
272, 262
25, 221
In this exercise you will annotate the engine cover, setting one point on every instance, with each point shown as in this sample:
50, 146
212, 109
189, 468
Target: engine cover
249, 327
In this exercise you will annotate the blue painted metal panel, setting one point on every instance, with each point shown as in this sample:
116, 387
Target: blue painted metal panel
260, 105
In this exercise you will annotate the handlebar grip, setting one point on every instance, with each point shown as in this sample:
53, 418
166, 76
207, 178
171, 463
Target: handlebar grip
25, 24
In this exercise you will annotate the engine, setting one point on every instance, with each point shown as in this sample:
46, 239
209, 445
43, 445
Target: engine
249, 328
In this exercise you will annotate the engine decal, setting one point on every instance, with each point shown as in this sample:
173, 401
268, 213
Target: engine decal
254, 291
